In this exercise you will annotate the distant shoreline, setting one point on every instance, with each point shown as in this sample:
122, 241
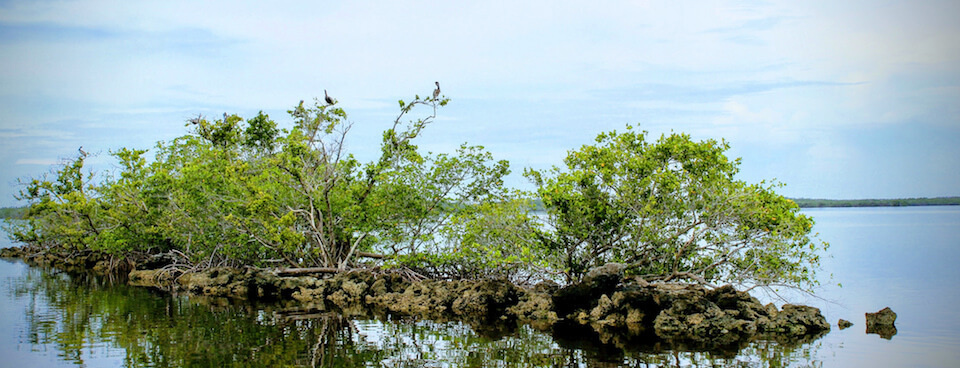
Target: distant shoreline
894, 202
17, 212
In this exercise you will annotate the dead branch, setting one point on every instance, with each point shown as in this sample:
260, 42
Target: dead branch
370, 255
307, 271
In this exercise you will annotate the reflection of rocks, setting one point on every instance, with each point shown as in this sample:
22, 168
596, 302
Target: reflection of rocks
886, 332
882, 323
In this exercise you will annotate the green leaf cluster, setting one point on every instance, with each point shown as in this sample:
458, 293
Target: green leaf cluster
499, 239
672, 209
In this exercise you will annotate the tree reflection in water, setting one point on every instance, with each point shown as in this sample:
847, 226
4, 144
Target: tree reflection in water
84, 316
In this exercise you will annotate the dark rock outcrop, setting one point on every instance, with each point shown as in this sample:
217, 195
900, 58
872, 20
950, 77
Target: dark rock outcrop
689, 314
483, 298
582, 295
158, 261
797, 320
486, 298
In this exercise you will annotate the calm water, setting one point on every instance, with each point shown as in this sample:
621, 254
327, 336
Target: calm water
904, 258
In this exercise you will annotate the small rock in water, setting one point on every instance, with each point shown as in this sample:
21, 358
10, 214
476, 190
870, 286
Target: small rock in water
844, 323
882, 323
884, 317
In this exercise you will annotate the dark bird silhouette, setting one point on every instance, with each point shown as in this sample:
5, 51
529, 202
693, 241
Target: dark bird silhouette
327, 98
82, 152
436, 92
196, 120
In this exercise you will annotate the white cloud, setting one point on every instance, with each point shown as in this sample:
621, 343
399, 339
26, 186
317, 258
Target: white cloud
530, 78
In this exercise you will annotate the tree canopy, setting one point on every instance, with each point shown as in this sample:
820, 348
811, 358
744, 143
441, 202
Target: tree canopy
237, 191
672, 209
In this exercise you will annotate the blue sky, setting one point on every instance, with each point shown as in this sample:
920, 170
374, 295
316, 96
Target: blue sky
836, 99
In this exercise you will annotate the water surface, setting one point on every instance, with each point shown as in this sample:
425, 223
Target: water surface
903, 258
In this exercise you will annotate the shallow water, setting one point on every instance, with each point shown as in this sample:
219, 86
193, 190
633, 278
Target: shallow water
904, 258
897, 257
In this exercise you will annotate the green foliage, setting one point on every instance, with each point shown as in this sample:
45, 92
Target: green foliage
672, 209
243, 192
497, 239
261, 134
63, 215
12, 213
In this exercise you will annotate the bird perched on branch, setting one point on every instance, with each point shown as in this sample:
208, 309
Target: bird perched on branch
327, 98
436, 92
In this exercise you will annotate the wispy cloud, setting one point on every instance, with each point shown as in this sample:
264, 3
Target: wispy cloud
700, 93
752, 25
36, 161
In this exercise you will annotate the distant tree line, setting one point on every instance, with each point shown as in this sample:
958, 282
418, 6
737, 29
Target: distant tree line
17, 212
12, 212
894, 202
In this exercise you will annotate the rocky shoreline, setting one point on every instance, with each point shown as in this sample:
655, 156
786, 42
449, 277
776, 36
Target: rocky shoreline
625, 309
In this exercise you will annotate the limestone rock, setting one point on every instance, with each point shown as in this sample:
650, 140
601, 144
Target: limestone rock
883, 317
844, 324
149, 278
585, 294
882, 323
219, 281
799, 320
534, 307
485, 298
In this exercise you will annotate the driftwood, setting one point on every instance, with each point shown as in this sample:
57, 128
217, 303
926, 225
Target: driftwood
307, 271
300, 271
370, 255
